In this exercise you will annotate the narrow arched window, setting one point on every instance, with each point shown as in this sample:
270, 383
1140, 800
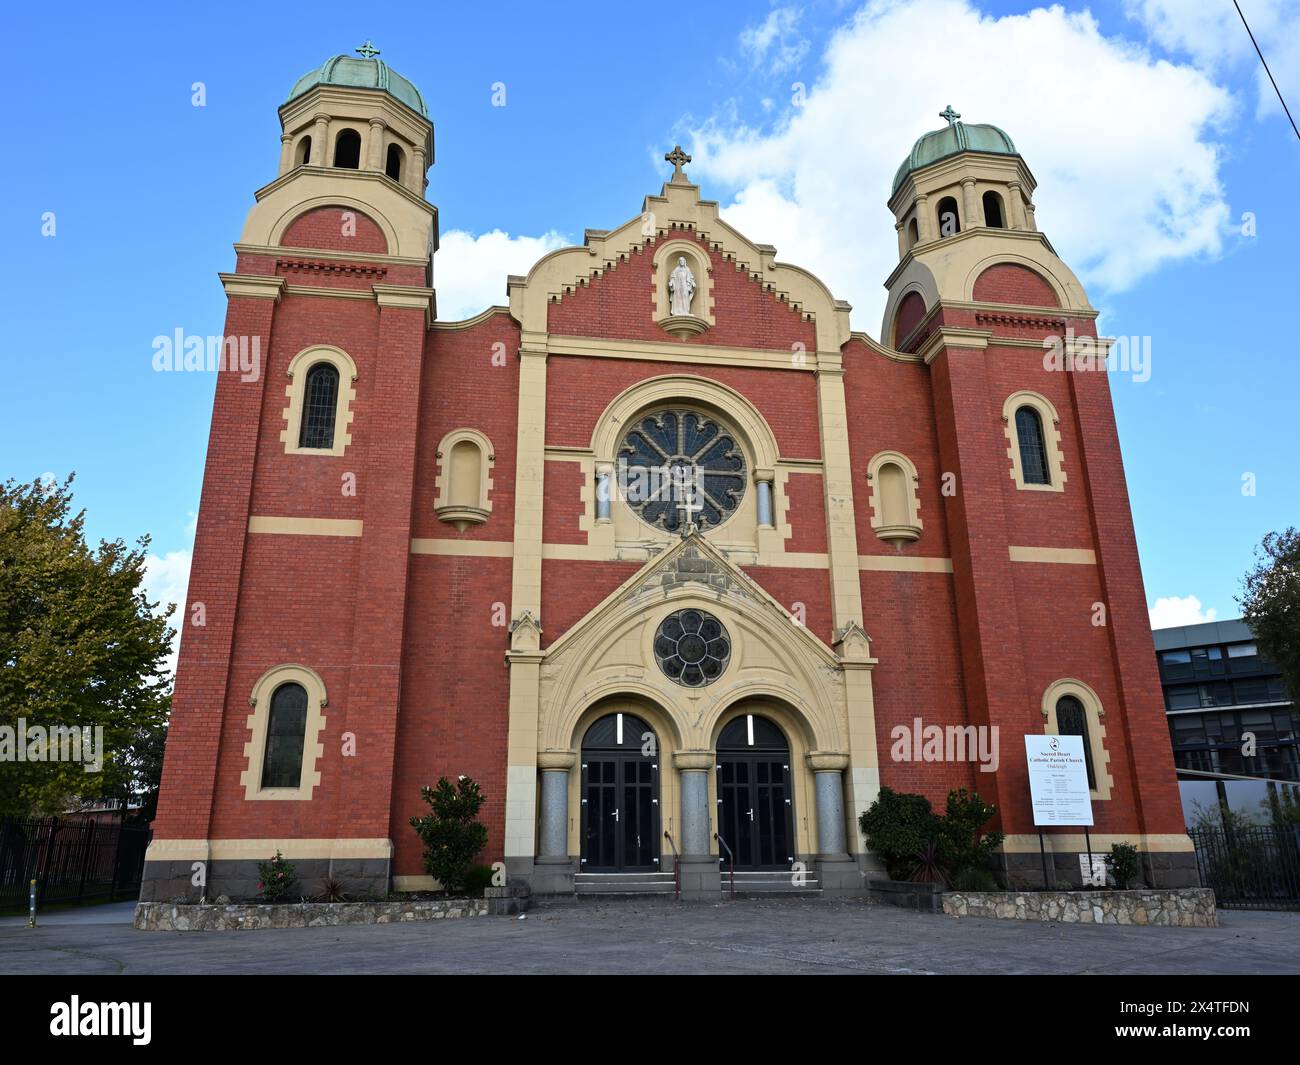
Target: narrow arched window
393, 165
320, 407
1033, 447
347, 149
993, 211
1072, 720
913, 233
285, 730
304, 151
949, 221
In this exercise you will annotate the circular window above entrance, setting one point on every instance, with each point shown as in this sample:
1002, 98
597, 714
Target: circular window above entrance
692, 648
678, 462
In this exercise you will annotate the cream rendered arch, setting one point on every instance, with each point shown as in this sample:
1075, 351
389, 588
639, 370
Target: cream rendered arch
910, 525
259, 720
948, 269
1069, 293
772, 655
281, 225
688, 389
295, 393
665, 260
1093, 712
1051, 422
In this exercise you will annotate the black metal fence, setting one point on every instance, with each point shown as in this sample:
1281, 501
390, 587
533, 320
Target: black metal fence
1255, 868
72, 860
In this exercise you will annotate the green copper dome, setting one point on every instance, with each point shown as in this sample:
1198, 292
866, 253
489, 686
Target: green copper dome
953, 138
366, 72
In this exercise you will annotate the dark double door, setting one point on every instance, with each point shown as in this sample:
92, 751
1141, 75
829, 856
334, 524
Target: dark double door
755, 812
620, 805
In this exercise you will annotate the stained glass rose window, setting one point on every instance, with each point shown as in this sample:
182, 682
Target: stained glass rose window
678, 462
692, 648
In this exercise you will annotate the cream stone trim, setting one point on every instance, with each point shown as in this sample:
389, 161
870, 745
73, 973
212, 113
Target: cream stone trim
671, 351
910, 528
469, 323
177, 850
279, 251
1075, 556
951, 337
904, 564
1051, 422
1152, 843
259, 720
295, 392
678, 205
464, 515
184, 850
1093, 712
329, 293
269, 524
463, 548
253, 286
663, 264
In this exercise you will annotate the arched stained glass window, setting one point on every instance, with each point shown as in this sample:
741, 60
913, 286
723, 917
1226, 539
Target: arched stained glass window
1033, 447
320, 407
285, 729
1072, 720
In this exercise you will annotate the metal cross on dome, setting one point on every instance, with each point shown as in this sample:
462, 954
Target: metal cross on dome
368, 50
677, 157
950, 114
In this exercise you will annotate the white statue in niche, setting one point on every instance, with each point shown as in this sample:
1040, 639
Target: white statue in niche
681, 287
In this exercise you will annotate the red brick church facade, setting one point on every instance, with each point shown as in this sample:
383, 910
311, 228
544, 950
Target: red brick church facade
415, 556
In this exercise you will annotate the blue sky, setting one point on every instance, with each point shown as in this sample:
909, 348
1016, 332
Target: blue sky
1145, 123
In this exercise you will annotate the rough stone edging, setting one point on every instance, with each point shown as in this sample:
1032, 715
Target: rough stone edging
1178, 907
211, 917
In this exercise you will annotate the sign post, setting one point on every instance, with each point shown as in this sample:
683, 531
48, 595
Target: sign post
1058, 787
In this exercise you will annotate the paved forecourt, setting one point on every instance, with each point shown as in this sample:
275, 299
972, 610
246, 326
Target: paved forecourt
657, 936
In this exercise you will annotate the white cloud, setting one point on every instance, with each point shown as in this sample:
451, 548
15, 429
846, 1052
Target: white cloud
1212, 34
166, 580
470, 272
1173, 611
1120, 143
776, 42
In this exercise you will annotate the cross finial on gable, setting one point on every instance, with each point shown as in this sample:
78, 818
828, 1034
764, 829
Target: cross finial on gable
367, 50
677, 157
950, 114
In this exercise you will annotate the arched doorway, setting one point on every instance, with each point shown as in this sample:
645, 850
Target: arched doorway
755, 812
620, 796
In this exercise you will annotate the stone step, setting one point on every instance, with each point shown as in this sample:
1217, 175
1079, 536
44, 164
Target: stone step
623, 883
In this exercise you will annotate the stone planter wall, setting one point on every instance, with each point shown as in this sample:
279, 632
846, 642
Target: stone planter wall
1184, 907
211, 917
908, 894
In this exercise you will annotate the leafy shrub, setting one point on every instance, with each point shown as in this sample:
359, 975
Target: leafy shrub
275, 877
972, 879
929, 865
962, 840
1123, 863
451, 835
896, 827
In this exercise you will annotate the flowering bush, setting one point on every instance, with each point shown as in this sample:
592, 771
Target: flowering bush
275, 877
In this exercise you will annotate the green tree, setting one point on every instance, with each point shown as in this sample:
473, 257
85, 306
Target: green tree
80, 647
451, 835
1271, 603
